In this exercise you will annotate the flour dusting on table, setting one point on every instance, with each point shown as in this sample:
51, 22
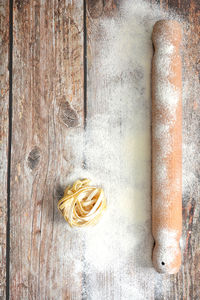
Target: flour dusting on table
115, 152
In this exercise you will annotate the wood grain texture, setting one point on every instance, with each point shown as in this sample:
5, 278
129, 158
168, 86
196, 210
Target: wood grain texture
4, 132
185, 283
47, 104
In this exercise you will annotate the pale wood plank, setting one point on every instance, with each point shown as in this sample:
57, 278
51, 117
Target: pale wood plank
184, 285
98, 95
98, 92
4, 132
47, 103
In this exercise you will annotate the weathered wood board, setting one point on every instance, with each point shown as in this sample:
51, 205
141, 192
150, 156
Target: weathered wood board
48, 101
4, 136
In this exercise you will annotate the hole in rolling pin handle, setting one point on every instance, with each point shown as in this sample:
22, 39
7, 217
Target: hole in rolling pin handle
163, 263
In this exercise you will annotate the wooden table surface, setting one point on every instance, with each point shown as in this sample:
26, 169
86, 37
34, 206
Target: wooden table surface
44, 47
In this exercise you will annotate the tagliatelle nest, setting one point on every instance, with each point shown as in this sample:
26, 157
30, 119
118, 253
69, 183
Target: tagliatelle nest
82, 204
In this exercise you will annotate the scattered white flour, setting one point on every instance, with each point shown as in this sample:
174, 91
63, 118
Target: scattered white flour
115, 152
167, 94
169, 248
166, 98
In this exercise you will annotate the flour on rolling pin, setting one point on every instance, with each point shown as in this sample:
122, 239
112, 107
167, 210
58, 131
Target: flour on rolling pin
166, 146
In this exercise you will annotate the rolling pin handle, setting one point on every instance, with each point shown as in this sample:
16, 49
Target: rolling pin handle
167, 258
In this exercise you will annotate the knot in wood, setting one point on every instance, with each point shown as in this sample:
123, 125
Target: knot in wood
68, 115
21, 3
34, 158
95, 8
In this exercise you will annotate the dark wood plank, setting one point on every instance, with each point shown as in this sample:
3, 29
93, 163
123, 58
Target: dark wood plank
4, 132
47, 104
185, 283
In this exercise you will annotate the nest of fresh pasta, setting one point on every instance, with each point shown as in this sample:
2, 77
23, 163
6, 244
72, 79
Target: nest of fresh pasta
82, 204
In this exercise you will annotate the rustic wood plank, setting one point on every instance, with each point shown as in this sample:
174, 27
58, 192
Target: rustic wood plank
48, 64
47, 104
184, 285
4, 132
98, 93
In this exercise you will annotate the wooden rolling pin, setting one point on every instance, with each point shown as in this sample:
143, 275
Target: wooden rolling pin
166, 146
